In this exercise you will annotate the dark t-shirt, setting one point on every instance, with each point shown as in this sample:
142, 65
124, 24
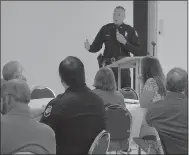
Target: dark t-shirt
77, 116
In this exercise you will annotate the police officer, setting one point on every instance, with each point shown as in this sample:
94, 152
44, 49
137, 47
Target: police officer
120, 40
78, 115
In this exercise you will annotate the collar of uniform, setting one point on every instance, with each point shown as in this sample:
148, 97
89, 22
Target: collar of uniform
22, 111
120, 26
76, 87
175, 95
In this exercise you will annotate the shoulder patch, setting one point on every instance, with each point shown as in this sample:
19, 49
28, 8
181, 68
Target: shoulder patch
47, 111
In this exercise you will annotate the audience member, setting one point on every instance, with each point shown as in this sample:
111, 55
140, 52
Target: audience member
19, 132
152, 80
13, 70
105, 85
153, 88
78, 115
170, 116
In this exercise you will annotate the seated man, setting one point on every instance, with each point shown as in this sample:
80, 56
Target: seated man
13, 70
19, 132
170, 116
78, 115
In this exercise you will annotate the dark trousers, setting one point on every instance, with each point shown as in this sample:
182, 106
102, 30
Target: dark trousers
125, 77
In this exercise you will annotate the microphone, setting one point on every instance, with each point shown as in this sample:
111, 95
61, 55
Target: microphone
153, 44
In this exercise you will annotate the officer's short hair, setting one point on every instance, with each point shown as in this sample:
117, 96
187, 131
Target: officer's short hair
176, 80
71, 71
105, 79
120, 7
18, 89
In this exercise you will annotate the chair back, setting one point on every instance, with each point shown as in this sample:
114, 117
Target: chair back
30, 149
100, 144
24, 153
150, 143
129, 93
42, 92
118, 122
81, 130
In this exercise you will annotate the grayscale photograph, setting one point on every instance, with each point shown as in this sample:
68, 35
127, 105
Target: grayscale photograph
94, 77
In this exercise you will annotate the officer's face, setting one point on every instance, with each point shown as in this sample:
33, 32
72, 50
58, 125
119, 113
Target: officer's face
118, 16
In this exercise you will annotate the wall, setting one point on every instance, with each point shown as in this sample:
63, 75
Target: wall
41, 34
172, 40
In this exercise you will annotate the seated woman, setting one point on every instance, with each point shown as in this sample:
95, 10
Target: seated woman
153, 81
105, 85
153, 88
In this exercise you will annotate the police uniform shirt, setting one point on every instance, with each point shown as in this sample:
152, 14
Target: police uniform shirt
77, 136
114, 48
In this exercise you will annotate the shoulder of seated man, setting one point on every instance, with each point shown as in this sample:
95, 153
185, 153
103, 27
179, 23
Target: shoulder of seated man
156, 105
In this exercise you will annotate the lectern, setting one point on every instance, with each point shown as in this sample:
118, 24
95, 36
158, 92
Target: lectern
129, 62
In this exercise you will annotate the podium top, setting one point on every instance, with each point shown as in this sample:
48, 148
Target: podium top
127, 62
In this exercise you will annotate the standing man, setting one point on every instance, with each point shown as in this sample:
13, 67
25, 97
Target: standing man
120, 40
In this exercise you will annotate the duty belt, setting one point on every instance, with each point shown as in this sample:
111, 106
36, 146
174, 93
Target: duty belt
108, 61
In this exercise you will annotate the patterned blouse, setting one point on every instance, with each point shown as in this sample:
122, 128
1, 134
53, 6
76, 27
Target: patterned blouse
151, 85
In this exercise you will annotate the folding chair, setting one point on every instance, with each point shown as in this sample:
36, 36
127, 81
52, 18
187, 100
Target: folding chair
42, 92
84, 128
100, 144
30, 149
118, 125
24, 153
129, 93
150, 144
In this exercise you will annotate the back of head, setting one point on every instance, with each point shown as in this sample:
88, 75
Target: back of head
176, 80
151, 68
72, 72
13, 70
105, 79
18, 89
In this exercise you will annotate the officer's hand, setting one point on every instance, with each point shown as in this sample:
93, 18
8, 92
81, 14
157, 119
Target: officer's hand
87, 45
121, 38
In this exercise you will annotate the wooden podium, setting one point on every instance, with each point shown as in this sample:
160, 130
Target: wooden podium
129, 62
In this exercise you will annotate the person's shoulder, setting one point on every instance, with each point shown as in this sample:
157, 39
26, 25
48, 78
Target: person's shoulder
126, 26
118, 93
45, 128
151, 80
150, 83
156, 106
4, 120
108, 25
97, 91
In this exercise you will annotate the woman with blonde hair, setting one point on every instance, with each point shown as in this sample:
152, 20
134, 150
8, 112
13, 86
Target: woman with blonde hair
105, 87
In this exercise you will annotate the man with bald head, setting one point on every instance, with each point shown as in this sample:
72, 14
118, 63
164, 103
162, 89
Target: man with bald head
19, 132
170, 116
13, 70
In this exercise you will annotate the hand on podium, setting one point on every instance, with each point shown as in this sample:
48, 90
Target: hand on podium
87, 45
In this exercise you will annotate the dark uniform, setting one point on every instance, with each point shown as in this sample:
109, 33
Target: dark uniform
77, 116
114, 50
